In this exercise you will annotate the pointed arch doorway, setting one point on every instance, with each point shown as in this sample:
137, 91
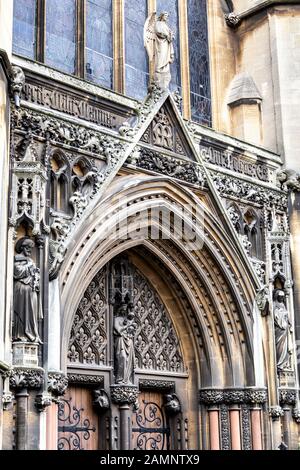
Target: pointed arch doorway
160, 398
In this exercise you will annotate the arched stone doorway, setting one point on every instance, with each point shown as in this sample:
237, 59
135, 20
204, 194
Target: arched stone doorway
160, 400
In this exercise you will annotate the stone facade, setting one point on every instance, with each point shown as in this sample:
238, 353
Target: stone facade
102, 186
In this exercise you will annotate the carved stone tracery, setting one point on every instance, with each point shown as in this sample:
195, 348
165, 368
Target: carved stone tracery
88, 342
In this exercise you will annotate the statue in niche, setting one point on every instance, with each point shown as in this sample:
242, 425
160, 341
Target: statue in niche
158, 40
124, 331
27, 306
282, 329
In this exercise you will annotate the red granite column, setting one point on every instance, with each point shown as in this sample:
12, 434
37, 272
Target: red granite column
235, 428
52, 427
214, 431
256, 428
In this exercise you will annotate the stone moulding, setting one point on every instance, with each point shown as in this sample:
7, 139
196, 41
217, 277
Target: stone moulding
213, 397
86, 379
153, 384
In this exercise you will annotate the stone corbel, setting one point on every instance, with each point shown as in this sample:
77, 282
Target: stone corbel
101, 401
289, 179
232, 19
276, 412
57, 383
17, 84
42, 401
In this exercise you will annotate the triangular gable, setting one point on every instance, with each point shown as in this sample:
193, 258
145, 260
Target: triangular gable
174, 127
165, 133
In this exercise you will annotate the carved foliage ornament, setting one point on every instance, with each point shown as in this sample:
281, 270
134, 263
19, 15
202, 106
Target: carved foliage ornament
26, 378
189, 172
232, 187
229, 397
57, 383
124, 394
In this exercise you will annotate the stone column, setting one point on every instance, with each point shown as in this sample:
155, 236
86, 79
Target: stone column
234, 414
214, 431
22, 380
125, 396
57, 384
256, 428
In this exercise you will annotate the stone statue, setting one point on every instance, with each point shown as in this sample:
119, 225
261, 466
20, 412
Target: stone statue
27, 307
124, 330
282, 327
158, 39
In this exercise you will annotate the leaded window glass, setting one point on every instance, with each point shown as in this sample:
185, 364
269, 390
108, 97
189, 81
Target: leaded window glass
60, 34
199, 62
24, 28
136, 68
99, 42
171, 6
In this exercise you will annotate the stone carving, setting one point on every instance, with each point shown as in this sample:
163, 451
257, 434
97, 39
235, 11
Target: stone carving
233, 161
189, 172
225, 428
288, 397
27, 305
282, 330
42, 401
17, 84
255, 397
172, 404
231, 187
152, 384
259, 268
70, 104
276, 412
158, 39
124, 331
290, 179
211, 397
88, 341
262, 299
101, 400
156, 344
124, 394
57, 383
246, 429
296, 415
232, 19
86, 379
26, 378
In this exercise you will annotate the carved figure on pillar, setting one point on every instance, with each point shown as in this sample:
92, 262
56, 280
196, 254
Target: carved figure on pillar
158, 39
27, 306
282, 329
124, 330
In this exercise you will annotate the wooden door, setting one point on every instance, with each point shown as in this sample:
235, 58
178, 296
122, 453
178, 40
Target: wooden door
150, 429
78, 423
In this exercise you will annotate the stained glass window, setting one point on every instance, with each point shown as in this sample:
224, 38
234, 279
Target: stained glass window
136, 68
60, 34
171, 6
199, 62
24, 28
99, 42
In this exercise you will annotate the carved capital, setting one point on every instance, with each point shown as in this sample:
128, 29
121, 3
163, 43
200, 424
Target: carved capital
26, 378
288, 397
211, 397
276, 412
256, 397
57, 383
124, 394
